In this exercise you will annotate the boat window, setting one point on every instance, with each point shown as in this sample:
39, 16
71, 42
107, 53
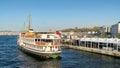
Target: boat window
48, 36
43, 40
40, 47
47, 40
35, 39
38, 39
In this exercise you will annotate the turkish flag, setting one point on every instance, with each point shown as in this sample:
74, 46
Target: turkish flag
58, 33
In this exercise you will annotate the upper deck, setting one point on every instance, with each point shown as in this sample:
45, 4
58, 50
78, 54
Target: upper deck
41, 35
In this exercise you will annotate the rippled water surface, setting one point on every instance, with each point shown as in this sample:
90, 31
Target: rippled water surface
12, 57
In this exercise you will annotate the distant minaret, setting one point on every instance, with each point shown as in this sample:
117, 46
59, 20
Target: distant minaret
29, 22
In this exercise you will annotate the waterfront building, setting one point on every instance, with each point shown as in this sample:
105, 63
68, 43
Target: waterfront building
115, 29
105, 31
107, 46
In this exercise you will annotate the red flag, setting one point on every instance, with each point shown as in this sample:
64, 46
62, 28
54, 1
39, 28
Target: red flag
58, 33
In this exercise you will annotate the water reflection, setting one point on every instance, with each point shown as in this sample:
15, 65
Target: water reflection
80, 59
32, 62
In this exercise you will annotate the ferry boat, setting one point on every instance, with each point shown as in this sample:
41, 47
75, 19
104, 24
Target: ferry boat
40, 44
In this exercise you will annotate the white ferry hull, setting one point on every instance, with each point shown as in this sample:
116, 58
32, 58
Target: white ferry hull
41, 55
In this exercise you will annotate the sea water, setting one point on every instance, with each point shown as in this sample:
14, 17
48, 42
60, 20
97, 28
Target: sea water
12, 57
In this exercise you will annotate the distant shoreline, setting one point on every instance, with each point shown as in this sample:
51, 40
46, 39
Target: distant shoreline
8, 33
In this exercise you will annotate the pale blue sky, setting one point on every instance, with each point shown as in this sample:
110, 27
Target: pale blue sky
58, 14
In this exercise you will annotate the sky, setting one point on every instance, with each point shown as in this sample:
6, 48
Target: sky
58, 14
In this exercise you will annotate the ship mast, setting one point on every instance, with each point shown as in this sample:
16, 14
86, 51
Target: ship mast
24, 26
29, 22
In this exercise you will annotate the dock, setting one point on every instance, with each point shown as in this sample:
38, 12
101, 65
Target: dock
106, 46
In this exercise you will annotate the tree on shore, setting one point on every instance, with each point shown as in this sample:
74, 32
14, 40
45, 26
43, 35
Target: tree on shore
76, 29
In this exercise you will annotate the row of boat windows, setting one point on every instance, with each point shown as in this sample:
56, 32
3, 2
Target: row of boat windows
39, 47
29, 40
44, 40
36, 46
